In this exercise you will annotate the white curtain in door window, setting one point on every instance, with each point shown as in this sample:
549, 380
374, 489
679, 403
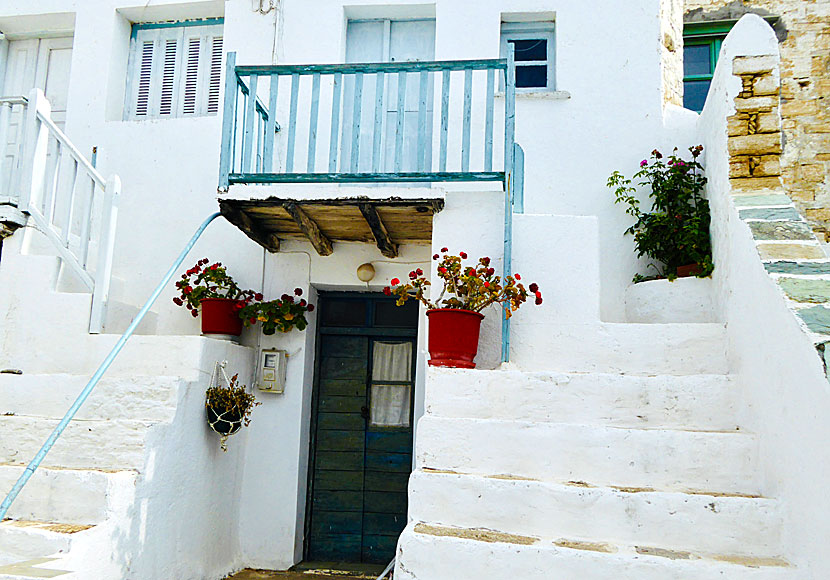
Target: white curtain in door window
390, 404
392, 361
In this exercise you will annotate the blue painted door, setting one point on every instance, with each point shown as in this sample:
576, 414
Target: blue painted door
362, 428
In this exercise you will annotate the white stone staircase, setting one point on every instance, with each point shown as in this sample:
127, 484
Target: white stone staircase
93, 488
627, 461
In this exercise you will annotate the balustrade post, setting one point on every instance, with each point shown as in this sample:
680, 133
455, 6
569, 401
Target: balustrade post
5, 117
106, 247
33, 160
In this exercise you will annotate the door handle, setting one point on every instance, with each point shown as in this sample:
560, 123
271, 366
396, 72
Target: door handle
364, 412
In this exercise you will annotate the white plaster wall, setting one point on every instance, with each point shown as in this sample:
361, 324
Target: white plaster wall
783, 382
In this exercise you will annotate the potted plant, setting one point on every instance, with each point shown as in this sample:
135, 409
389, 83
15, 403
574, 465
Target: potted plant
212, 289
281, 315
675, 232
455, 315
228, 407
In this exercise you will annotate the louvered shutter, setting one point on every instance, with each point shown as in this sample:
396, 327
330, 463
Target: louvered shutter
175, 71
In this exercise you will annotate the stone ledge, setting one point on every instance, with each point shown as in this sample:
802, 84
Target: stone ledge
816, 318
799, 268
806, 289
756, 144
771, 213
781, 231
761, 200
791, 251
753, 65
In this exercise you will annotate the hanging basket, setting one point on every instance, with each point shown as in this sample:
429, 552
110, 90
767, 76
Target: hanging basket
221, 418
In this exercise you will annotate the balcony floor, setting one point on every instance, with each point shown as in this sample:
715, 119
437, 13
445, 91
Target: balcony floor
387, 222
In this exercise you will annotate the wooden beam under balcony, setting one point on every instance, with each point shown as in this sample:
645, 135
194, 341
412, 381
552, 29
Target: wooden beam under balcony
240, 219
385, 244
385, 222
311, 230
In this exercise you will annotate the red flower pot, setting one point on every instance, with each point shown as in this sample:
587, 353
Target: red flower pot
453, 337
688, 270
220, 317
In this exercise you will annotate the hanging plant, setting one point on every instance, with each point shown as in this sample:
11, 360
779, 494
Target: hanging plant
228, 407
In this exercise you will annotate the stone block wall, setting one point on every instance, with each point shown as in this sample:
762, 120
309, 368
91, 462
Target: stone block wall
804, 32
671, 51
792, 253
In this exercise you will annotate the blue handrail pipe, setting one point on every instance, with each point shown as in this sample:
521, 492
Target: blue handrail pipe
70, 414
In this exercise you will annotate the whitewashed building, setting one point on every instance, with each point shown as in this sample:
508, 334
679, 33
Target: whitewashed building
663, 430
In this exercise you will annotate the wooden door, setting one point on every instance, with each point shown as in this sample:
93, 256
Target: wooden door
42, 63
387, 41
362, 429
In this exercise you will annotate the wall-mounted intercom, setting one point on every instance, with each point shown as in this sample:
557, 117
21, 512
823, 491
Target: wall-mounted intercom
272, 365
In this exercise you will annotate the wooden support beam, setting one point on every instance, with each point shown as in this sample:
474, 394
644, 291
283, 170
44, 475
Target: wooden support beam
241, 220
384, 242
320, 242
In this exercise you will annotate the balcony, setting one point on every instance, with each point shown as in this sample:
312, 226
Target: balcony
393, 123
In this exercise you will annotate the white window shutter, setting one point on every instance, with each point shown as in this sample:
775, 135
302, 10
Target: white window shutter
175, 72
191, 74
144, 77
215, 76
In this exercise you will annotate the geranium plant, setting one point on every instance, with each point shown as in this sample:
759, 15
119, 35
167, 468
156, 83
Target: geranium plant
676, 230
208, 281
472, 288
281, 315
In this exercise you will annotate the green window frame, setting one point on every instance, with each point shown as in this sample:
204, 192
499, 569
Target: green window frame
709, 34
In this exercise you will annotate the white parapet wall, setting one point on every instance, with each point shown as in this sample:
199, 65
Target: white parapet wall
781, 374
681, 300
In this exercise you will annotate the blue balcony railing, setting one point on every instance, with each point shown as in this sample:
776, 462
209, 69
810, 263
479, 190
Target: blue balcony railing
383, 122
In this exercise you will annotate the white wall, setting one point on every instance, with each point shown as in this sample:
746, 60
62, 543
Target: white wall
784, 386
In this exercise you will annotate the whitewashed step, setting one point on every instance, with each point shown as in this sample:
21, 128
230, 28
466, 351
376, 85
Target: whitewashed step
151, 398
696, 523
651, 349
661, 301
22, 540
115, 444
656, 458
39, 272
187, 357
704, 402
429, 556
71, 496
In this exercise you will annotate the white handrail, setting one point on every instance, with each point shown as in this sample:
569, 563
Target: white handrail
60, 189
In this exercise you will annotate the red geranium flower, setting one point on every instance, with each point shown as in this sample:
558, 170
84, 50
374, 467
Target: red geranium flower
395, 281
387, 291
463, 255
311, 307
444, 250
533, 287
258, 296
435, 256
298, 291
517, 277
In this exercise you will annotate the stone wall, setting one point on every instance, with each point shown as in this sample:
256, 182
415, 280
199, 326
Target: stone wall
803, 30
671, 51
791, 252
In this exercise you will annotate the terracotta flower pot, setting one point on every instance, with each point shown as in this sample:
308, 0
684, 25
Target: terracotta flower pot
688, 270
453, 337
220, 317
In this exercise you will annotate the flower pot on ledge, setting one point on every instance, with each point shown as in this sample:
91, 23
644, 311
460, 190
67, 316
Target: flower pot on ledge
220, 316
453, 337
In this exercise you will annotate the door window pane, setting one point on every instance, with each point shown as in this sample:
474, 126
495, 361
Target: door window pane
389, 314
390, 405
392, 361
344, 313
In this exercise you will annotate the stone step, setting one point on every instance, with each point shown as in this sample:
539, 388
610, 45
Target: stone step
23, 540
150, 398
71, 496
660, 301
649, 349
444, 553
113, 444
678, 521
702, 402
187, 357
669, 460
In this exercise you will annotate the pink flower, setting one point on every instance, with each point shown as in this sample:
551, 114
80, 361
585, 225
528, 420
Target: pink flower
643, 163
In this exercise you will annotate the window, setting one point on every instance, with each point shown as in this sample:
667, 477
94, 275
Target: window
534, 56
701, 46
174, 69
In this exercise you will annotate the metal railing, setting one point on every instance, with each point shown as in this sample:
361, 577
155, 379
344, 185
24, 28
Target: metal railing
65, 197
389, 122
99, 373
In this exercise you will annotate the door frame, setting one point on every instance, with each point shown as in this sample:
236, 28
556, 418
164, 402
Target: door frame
371, 333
